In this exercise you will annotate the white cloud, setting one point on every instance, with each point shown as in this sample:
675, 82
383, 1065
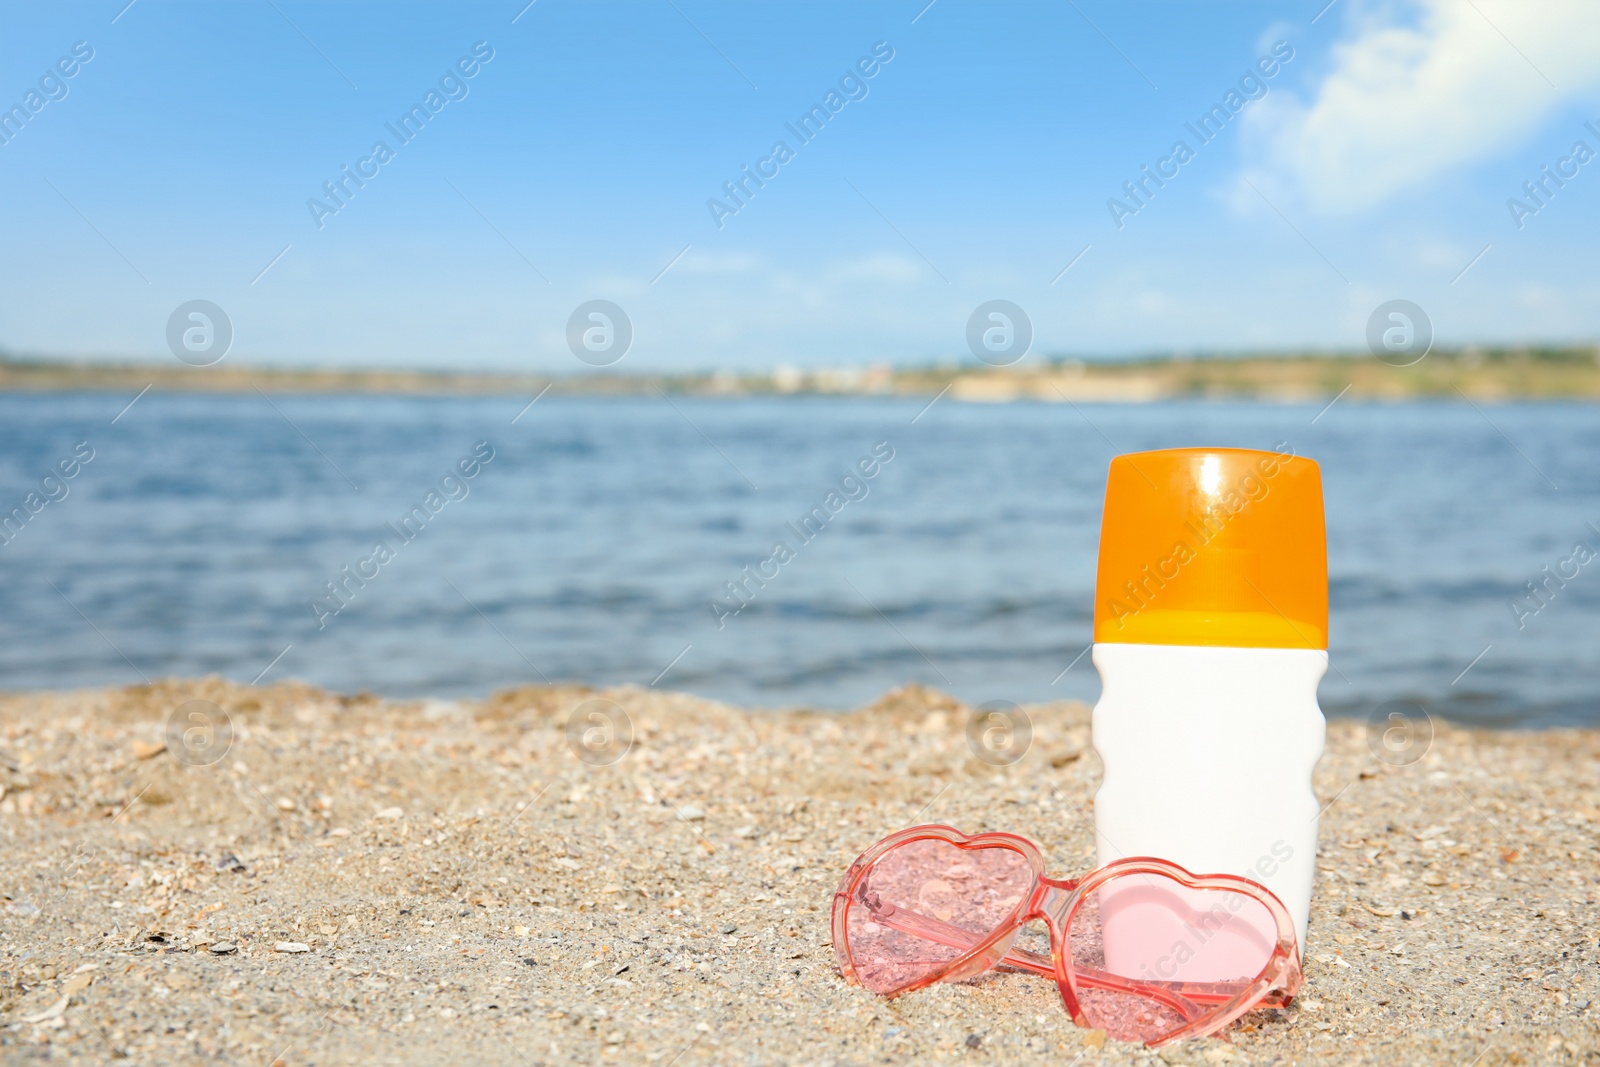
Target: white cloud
883, 267
1404, 102
1152, 302
700, 262
1539, 298
1429, 252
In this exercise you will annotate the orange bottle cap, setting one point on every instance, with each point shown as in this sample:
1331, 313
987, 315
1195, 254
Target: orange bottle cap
1213, 546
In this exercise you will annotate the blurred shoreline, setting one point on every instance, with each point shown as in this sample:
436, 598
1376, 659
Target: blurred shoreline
1522, 373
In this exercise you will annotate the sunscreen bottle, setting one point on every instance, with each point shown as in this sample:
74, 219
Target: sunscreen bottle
1210, 636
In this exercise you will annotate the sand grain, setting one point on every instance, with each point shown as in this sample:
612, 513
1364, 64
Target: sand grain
360, 881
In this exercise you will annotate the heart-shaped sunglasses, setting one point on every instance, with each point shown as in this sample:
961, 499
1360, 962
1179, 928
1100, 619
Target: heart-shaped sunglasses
1140, 947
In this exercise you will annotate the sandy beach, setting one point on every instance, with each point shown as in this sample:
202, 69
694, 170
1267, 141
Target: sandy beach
362, 881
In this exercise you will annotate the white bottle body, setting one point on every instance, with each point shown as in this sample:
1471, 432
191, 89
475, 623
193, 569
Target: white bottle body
1208, 755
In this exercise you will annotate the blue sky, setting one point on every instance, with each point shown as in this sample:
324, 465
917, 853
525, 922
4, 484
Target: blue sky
976, 164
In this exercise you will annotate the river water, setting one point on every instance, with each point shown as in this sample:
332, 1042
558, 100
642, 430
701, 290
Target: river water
594, 543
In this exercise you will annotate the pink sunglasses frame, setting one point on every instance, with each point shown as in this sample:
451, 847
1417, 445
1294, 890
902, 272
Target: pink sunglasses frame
1208, 1006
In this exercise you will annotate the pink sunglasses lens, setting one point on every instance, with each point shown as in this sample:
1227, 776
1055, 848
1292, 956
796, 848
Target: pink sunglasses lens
924, 903
1189, 950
